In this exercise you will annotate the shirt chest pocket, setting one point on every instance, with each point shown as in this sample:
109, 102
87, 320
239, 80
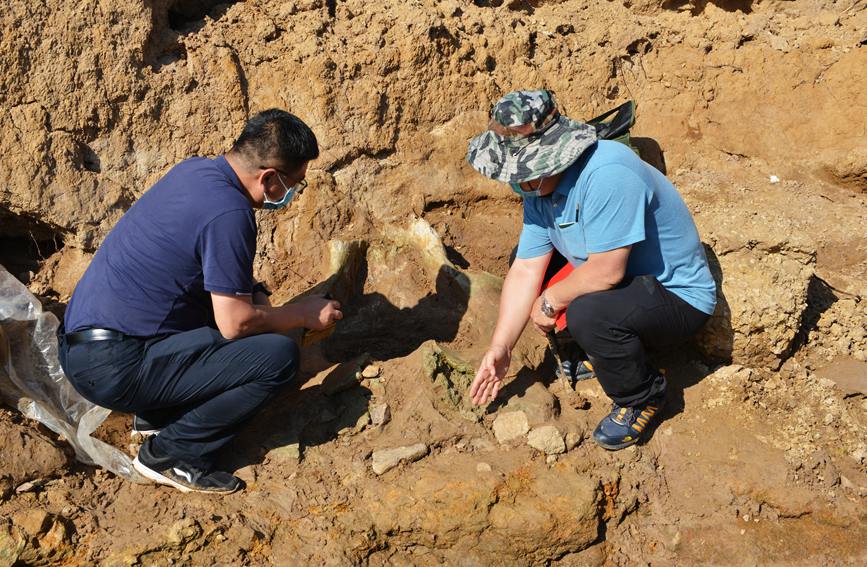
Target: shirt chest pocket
572, 238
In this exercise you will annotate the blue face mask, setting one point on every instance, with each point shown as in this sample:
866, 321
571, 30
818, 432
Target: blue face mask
287, 198
532, 194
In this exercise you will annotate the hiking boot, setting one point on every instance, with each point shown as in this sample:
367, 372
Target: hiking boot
143, 428
578, 370
184, 477
625, 426
574, 361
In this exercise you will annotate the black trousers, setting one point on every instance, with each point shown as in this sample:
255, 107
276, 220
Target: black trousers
196, 385
614, 327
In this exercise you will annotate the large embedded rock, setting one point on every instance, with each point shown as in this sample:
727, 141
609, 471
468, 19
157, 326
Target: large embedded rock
529, 512
537, 403
759, 309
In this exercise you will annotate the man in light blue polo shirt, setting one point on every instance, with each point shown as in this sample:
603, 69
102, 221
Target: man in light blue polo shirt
640, 274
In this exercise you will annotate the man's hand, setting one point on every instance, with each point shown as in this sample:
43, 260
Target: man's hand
489, 378
320, 313
541, 322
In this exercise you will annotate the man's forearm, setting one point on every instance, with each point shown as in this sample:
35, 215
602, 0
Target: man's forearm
258, 319
519, 293
589, 277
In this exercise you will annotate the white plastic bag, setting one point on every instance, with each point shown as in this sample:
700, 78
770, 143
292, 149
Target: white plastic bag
35, 379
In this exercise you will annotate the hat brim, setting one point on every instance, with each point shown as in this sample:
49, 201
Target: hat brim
519, 159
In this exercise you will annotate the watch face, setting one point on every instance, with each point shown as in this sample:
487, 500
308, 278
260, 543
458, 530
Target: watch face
546, 308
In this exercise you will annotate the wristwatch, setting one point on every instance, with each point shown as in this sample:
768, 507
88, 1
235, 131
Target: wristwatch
546, 307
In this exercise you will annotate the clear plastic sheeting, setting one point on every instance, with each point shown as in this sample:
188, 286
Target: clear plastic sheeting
32, 379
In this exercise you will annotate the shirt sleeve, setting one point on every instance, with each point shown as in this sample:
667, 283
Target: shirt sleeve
227, 246
614, 209
535, 240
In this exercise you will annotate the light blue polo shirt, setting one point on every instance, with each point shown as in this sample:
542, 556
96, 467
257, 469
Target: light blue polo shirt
608, 199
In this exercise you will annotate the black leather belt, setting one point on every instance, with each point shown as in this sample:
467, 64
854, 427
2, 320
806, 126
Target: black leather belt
91, 335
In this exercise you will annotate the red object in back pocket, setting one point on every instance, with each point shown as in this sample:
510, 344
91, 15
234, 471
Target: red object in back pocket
560, 322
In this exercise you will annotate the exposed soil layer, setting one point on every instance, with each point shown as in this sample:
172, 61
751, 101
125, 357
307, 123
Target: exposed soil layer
375, 456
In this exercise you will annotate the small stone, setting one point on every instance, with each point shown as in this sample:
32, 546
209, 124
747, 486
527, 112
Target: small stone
547, 439
573, 439
510, 425
386, 459
483, 467
380, 414
371, 371
363, 421
32, 485
290, 452
551, 459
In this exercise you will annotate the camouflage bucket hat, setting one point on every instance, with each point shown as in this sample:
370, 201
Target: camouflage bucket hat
528, 138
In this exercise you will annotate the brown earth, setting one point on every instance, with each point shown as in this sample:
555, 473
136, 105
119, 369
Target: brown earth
759, 110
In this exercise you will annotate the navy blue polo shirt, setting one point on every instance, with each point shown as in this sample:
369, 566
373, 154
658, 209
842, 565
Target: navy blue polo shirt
190, 234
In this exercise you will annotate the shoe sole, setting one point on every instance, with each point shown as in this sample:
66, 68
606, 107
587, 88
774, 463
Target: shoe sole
616, 447
153, 475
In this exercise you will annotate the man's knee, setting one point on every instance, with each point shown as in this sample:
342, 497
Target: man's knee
586, 317
283, 357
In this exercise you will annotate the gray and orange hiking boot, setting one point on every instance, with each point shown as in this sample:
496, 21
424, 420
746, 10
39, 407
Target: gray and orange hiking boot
626, 426
578, 370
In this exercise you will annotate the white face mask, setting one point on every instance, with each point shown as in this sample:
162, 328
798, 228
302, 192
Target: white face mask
287, 197
532, 194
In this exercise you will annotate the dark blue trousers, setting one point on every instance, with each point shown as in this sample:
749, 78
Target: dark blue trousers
199, 387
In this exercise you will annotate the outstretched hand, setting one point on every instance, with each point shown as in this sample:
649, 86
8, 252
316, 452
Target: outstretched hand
489, 378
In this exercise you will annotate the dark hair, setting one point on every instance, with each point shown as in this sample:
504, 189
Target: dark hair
276, 138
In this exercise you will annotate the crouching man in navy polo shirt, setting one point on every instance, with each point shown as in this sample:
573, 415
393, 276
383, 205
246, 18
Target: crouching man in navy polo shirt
167, 322
640, 274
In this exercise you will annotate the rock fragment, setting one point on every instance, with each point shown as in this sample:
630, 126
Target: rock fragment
510, 425
547, 439
380, 414
286, 453
371, 371
573, 439
386, 459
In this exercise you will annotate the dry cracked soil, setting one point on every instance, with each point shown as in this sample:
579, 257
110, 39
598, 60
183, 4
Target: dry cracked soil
755, 109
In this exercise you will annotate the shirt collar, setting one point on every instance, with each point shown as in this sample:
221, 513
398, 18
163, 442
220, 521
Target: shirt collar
223, 166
